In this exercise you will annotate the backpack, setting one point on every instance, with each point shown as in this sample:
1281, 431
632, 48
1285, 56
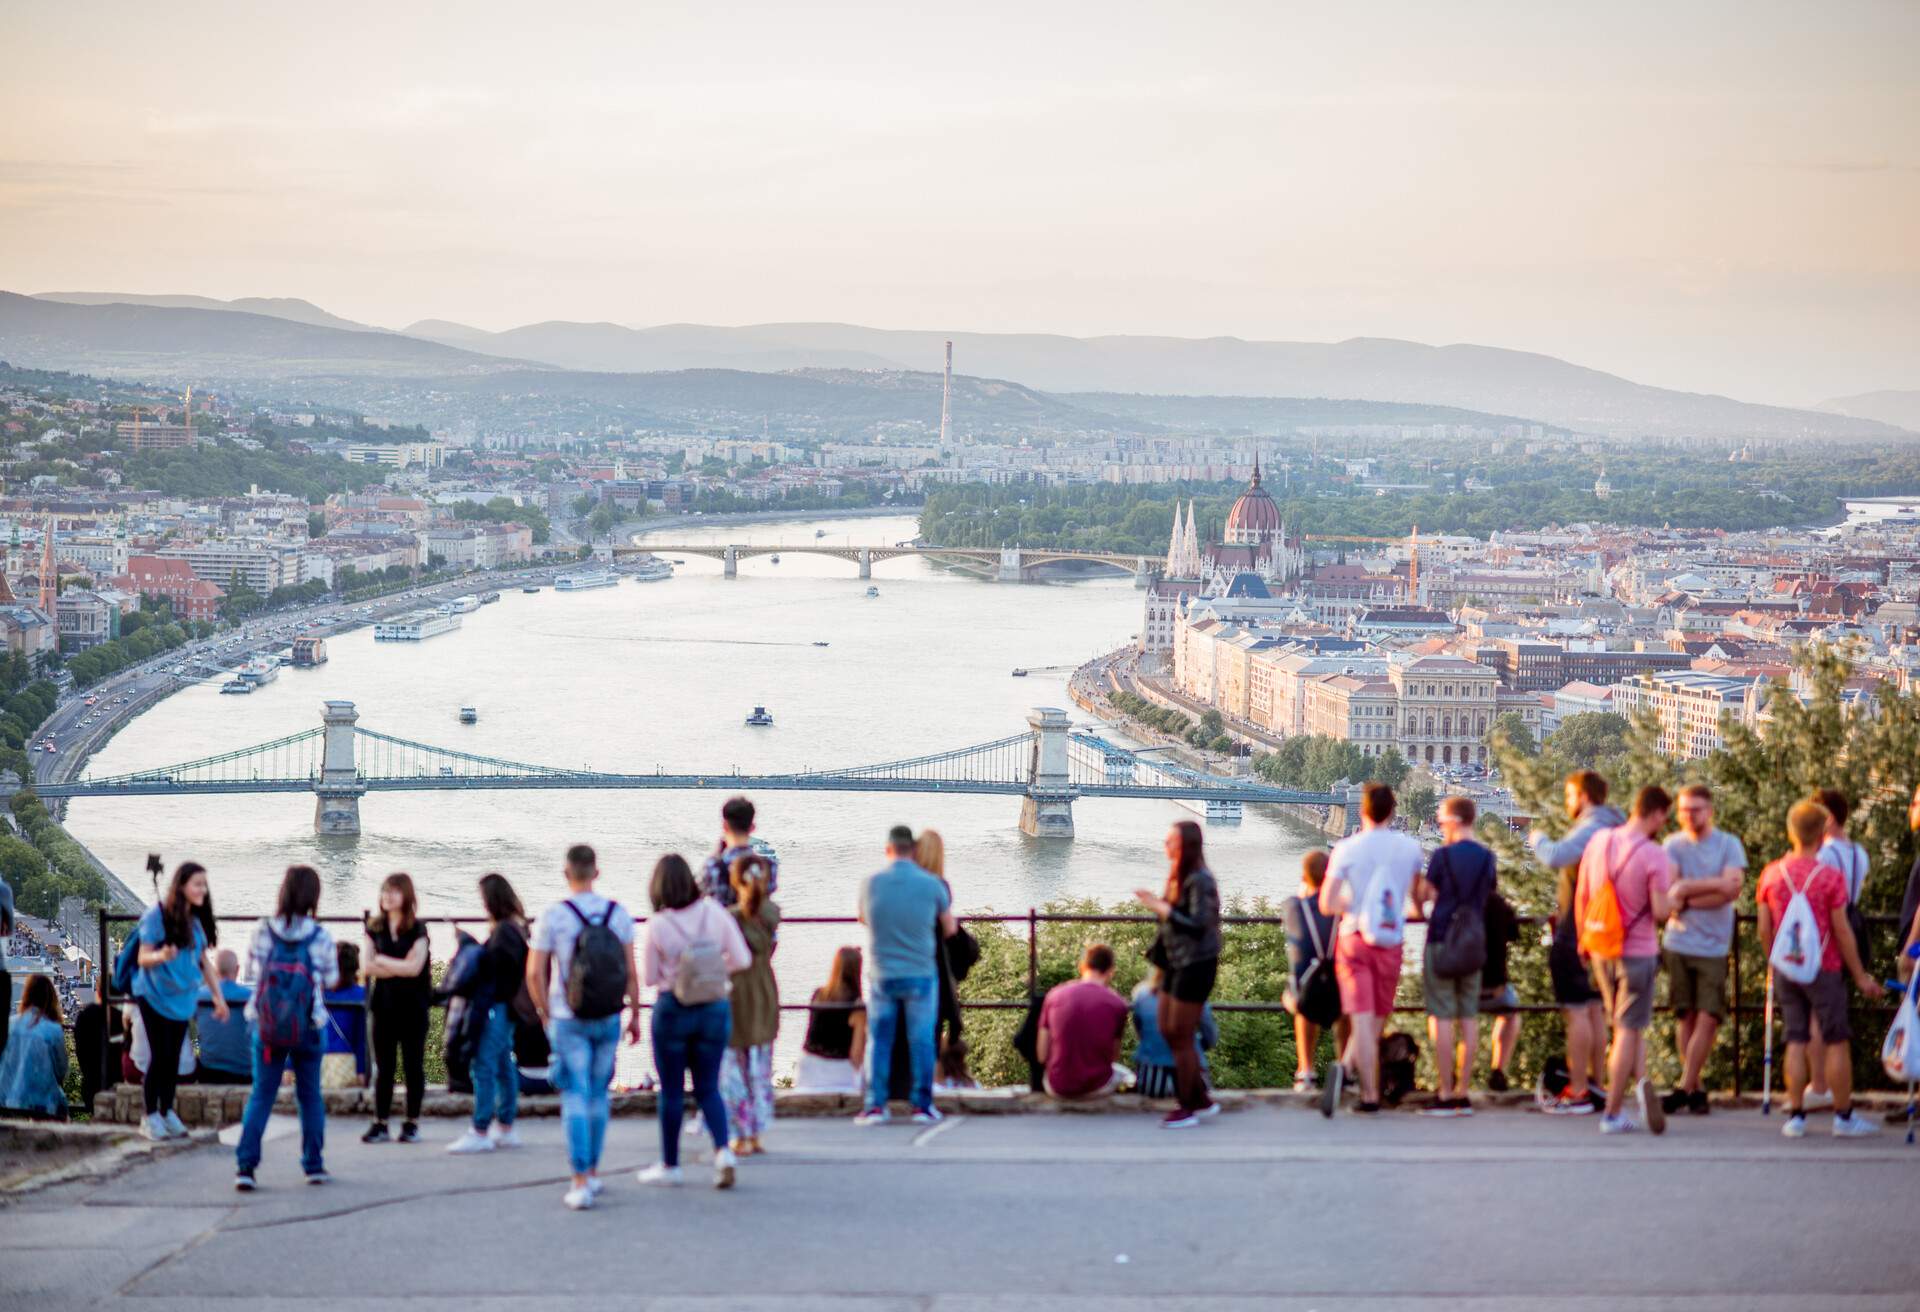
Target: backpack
1317, 995
284, 999
1603, 934
125, 964
1462, 950
597, 974
1796, 943
1379, 917
701, 976
1900, 1054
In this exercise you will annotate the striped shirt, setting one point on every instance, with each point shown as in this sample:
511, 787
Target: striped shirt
322, 958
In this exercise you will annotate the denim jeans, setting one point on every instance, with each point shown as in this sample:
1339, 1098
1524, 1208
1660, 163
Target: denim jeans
306, 1092
583, 1052
496, 1083
891, 1003
689, 1039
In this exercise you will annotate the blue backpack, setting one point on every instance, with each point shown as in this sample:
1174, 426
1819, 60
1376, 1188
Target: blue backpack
121, 982
284, 998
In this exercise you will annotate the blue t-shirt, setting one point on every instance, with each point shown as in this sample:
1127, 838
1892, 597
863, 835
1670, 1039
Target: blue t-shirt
901, 906
227, 1047
1462, 876
347, 1024
173, 988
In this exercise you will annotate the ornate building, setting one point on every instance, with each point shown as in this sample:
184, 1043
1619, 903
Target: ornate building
1257, 559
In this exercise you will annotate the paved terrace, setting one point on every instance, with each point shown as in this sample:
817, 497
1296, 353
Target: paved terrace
1266, 1207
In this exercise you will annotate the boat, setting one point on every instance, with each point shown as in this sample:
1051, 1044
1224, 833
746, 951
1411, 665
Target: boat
819, 533
776, 558
530, 588
651, 570
819, 644
461, 605
416, 626
582, 579
469, 715
488, 598
259, 672
761, 715
873, 591
235, 687
1019, 674
308, 652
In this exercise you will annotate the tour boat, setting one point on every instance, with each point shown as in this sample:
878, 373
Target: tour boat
873, 592
1019, 674
469, 715
416, 626
581, 580
530, 588
819, 644
776, 558
761, 715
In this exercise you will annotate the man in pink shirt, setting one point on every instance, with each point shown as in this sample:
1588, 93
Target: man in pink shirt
1639, 870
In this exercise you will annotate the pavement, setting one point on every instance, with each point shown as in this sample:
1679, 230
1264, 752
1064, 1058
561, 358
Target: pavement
1263, 1208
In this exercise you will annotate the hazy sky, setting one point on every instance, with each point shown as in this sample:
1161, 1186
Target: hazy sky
1719, 197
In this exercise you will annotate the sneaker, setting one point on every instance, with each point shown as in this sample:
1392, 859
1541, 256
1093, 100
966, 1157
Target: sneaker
1815, 1101
661, 1174
1210, 1110
243, 1182
873, 1116
1795, 1126
1179, 1120
1462, 1107
1616, 1125
1651, 1108
1496, 1081
579, 1199
176, 1128
1305, 1083
1439, 1107
724, 1163
1330, 1093
928, 1116
376, 1133
505, 1136
471, 1141
1570, 1103
595, 1185
319, 1177
1854, 1125
1697, 1104
153, 1128
1675, 1100
409, 1133
1367, 1108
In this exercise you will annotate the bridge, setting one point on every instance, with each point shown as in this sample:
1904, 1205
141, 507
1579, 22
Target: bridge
1048, 767
1010, 564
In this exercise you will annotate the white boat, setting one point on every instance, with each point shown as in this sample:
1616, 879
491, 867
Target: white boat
651, 570
415, 626
461, 605
259, 672
230, 688
469, 715
581, 579
873, 591
761, 716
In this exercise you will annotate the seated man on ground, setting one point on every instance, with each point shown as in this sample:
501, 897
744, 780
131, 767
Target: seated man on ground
225, 1054
1080, 1027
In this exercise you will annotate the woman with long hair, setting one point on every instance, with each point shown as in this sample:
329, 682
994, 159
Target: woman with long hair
1187, 949
835, 1050
33, 1069
399, 1001
746, 1076
950, 1050
503, 974
173, 964
294, 961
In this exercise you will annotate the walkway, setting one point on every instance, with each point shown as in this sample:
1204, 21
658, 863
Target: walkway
1263, 1208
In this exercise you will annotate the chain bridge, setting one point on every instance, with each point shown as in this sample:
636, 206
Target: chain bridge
1010, 564
1049, 767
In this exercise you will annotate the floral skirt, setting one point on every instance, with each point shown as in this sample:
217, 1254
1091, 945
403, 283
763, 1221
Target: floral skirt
746, 1086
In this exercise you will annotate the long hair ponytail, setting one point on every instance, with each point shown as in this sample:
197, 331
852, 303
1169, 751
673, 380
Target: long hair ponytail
1191, 858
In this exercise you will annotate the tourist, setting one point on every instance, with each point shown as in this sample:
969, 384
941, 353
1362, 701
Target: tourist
1573, 989
1153, 1073
736, 841
345, 1063
1850, 859
292, 963
1370, 876
1908, 931
1627, 861
503, 976
174, 937
1460, 878
906, 910
1825, 999
954, 956
834, 1051
693, 948
6, 976
33, 1065
99, 1042
581, 975
226, 1055
1709, 865
753, 1000
1498, 998
400, 982
1312, 993
1081, 1024
1187, 947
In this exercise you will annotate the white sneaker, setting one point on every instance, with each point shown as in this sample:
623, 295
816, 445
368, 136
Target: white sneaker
176, 1128
471, 1141
1795, 1127
595, 1185
667, 1177
153, 1128
928, 1116
873, 1116
504, 1136
724, 1163
1617, 1125
1854, 1125
1812, 1101
578, 1200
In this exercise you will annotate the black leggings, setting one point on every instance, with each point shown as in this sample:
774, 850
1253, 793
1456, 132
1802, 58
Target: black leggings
404, 1028
164, 1038
1179, 1026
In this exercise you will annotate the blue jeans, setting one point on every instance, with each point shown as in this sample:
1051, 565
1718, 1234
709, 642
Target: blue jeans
583, 1052
496, 1083
890, 1003
689, 1039
306, 1092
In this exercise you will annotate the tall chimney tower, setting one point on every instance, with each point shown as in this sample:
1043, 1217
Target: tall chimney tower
49, 573
946, 401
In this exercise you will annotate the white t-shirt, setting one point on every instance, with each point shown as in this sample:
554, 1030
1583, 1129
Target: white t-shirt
558, 929
1373, 862
1850, 859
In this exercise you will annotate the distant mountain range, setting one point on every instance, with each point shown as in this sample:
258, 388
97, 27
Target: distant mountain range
1220, 382
1902, 409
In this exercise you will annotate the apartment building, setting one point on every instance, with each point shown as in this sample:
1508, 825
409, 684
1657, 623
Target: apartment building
1691, 707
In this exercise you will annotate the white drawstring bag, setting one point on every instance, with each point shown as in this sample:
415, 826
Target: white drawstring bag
1900, 1054
1796, 944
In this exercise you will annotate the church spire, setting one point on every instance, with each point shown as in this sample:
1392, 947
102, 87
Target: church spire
1195, 565
1175, 547
1256, 469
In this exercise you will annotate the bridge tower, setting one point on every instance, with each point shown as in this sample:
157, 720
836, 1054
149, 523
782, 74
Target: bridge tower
731, 568
866, 562
1142, 574
336, 808
1010, 565
1047, 810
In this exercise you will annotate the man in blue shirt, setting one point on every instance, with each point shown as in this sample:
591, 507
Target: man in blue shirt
903, 907
736, 840
226, 1052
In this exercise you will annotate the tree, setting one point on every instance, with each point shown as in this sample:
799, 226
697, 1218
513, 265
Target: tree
1391, 768
1586, 740
1514, 729
316, 524
1421, 805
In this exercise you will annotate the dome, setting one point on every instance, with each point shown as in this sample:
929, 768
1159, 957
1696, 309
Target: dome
1255, 517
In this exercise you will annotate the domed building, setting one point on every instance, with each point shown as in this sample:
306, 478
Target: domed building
1255, 517
1255, 542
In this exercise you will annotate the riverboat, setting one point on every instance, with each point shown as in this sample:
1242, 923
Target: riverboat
583, 579
416, 626
761, 716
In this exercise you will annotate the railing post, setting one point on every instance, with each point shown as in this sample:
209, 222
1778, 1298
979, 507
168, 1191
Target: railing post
1033, 952
1736, 1007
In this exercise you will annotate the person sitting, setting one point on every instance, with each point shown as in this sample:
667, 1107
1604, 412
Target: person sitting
33, 1069
1080, 1027
226, 1056
346, 1025
99, 1039
1152, 1058
834, 1052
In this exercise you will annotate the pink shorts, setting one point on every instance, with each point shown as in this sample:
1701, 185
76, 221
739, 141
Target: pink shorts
1368, 976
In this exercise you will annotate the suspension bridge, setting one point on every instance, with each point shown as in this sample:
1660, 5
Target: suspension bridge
1009, 564
1048, 767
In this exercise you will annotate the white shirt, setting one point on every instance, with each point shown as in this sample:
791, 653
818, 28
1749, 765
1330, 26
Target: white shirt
1363, 860
1850, 859
558, 929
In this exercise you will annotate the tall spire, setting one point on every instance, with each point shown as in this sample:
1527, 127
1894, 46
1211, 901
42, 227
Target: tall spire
1194, 562
1256, 469
1175, 547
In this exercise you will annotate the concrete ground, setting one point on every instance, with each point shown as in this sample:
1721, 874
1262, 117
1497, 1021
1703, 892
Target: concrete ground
1263, 1208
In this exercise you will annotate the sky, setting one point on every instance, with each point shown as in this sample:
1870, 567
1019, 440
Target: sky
1719, 197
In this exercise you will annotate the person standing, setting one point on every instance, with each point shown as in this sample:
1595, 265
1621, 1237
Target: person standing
1573, 987
503, 970
225, 1045
904, 909
1850, 859
581, 975
1186, 947
746, 1074
1081, 1023
736, 841
1460, 878
174, 938
1498, 998
1369, 879
694, 946
1312, 993
1709, 866
292, 964
400, 1001
6, 976
953, 956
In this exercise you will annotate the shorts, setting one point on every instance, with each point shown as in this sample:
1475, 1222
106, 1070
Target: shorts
1626, 987
1193, 983
1499, 1001
1696, 984
1572, 982
1824, 1000
1449, 999
1368, 976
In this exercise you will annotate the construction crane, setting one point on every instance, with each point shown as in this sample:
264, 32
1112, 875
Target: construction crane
1411, 542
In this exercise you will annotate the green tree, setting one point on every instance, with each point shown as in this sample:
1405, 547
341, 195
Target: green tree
1585, 740
1514, 731
1421, 805
316, 524
1391, 768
